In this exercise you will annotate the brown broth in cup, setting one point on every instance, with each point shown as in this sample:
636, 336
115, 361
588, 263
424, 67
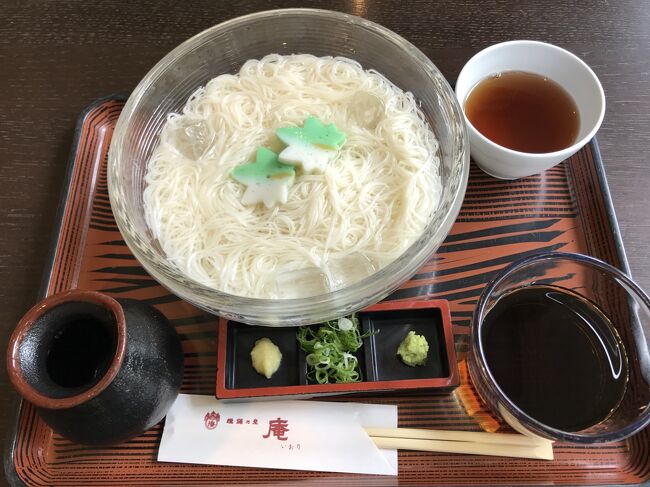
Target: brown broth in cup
523, 111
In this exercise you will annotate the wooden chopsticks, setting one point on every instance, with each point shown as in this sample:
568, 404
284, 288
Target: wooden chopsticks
468, 442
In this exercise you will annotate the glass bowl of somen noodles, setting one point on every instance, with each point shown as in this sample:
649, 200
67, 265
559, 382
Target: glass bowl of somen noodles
288, 167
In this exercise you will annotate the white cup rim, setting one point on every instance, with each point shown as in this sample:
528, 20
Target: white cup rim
536, 155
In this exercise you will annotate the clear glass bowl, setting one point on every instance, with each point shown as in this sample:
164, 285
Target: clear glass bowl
617, 296
223, 49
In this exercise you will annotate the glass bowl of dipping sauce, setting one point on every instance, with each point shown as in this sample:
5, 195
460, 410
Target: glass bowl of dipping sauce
559, 349
528, 106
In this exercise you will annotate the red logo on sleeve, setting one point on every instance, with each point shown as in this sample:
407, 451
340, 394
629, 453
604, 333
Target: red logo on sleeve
211, 420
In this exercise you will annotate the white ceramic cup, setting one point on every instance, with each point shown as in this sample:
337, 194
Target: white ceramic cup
544, 59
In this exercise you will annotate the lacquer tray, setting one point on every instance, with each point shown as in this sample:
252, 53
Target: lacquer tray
566, 208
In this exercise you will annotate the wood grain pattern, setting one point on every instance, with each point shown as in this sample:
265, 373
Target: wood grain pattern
56, 57
562, 209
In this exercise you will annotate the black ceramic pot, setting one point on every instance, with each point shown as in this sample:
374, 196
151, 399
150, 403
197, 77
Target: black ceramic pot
99, 370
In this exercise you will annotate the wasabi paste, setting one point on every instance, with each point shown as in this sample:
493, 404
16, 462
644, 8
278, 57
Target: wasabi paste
413, 350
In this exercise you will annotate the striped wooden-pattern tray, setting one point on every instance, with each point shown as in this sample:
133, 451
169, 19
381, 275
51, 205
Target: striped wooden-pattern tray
566, 208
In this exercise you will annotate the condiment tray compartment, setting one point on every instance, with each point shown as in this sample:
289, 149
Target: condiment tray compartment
392, 327
381, 369
240, 373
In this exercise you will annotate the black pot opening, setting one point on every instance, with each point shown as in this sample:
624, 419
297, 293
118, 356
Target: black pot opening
68, 349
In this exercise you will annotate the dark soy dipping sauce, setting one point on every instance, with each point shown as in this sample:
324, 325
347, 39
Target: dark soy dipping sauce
556, 356
81, 353
523, 111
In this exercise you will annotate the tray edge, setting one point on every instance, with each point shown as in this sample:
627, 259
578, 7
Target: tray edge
11, 475
609, 206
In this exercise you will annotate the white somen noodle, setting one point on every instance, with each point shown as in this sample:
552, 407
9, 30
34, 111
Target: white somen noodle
373, 200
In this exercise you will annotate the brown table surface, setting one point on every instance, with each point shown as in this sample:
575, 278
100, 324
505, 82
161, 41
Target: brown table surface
57, 57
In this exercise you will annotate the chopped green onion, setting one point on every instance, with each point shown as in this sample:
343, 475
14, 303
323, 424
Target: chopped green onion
345, 324
330, 350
